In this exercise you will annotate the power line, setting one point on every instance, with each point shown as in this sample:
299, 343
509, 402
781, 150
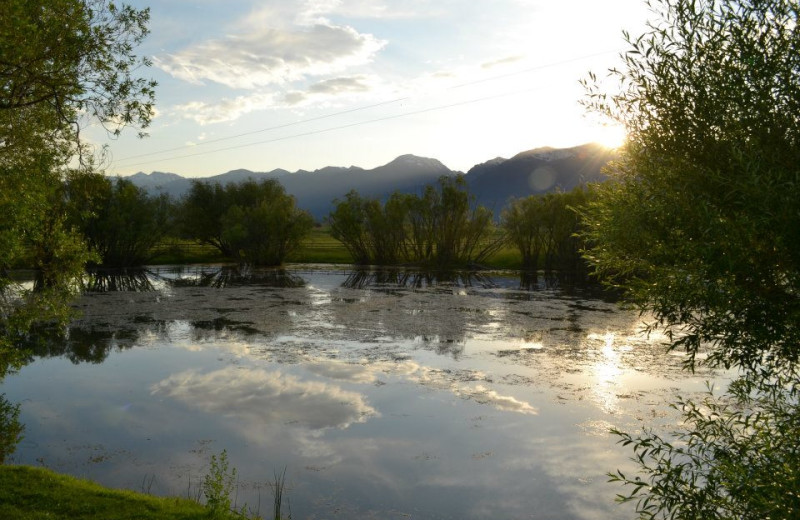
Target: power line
342, 127
262, 130
349, 111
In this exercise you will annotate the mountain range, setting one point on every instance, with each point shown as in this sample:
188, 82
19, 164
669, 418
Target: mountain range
493, 182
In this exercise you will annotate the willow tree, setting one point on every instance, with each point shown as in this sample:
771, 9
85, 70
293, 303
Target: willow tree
254, 223
701, 227
63, 64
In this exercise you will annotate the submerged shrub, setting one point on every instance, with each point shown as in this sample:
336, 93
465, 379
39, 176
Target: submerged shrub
254, 223
442, 228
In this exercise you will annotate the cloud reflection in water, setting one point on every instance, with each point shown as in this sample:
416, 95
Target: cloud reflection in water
260, 398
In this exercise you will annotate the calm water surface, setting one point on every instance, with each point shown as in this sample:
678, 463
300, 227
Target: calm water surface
383, 395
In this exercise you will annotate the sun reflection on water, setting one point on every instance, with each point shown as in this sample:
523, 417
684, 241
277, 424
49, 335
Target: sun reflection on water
606, 371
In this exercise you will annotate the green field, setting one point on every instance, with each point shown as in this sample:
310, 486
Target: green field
318, 248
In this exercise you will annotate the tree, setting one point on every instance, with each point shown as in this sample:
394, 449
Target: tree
546, 227
701, 227
443, 228
63, 63
253, 223
447, 229
348, 226
75, 57
119, 221
373, 233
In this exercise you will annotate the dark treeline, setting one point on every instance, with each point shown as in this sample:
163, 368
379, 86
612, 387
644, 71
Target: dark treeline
545, 230
121, 225
254, 223
444, 228
258, 223
440, 228
119, 221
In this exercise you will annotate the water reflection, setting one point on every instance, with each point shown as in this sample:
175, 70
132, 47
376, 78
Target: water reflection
566, 283
260, 400
118, 280
234, 276
405, 278
78, 344
10, 428
607, 370
383, 393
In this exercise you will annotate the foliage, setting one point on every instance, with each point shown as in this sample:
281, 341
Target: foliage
62, 63
119, 221
74, 57
441, 228
702, 228
10, 428
544, 228
736, 458
254, 223
446, 228
372, 233
32, 234
218, 485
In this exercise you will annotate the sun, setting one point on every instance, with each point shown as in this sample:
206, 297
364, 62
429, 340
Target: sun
609, 135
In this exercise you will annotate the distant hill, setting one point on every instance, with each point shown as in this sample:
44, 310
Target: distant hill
493, 182
535, 172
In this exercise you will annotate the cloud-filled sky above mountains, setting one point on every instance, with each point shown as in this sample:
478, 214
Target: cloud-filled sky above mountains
309, 83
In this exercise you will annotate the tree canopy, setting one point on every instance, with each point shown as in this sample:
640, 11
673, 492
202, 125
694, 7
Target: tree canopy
255, 223
701, 227
441, 228
74, 57
63, 64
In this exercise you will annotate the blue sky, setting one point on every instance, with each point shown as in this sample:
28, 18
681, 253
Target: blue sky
302, 84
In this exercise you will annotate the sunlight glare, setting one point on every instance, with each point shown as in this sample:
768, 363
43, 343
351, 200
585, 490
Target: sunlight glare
610, 135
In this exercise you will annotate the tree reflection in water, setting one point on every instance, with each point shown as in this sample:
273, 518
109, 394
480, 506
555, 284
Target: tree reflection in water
10, 428
118, 280
415, 279
78, 344
235, 276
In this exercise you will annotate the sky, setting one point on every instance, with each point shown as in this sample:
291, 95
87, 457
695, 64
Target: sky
304, 84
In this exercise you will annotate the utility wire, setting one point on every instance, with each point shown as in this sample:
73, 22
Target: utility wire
262, 130
342, 127
349, 111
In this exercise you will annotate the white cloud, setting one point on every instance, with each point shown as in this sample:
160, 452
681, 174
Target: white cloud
270, 55
227, 109
331, 88
383, 9
340, 89
502, 61
258, 399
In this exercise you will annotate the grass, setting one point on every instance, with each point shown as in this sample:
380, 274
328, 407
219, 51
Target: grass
28, 493
180, 251
319, 248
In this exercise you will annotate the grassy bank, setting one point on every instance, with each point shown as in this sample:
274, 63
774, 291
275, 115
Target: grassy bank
28, 493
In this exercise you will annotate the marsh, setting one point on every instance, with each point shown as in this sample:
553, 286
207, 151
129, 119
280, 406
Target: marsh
384, 394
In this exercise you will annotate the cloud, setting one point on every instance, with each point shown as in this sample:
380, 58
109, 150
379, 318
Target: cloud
483, 395
329, 88
230, 109
372, 9
270, 56
257, 399
227, 109
458, 384
502, 61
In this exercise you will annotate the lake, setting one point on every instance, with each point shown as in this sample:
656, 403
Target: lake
383, 394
